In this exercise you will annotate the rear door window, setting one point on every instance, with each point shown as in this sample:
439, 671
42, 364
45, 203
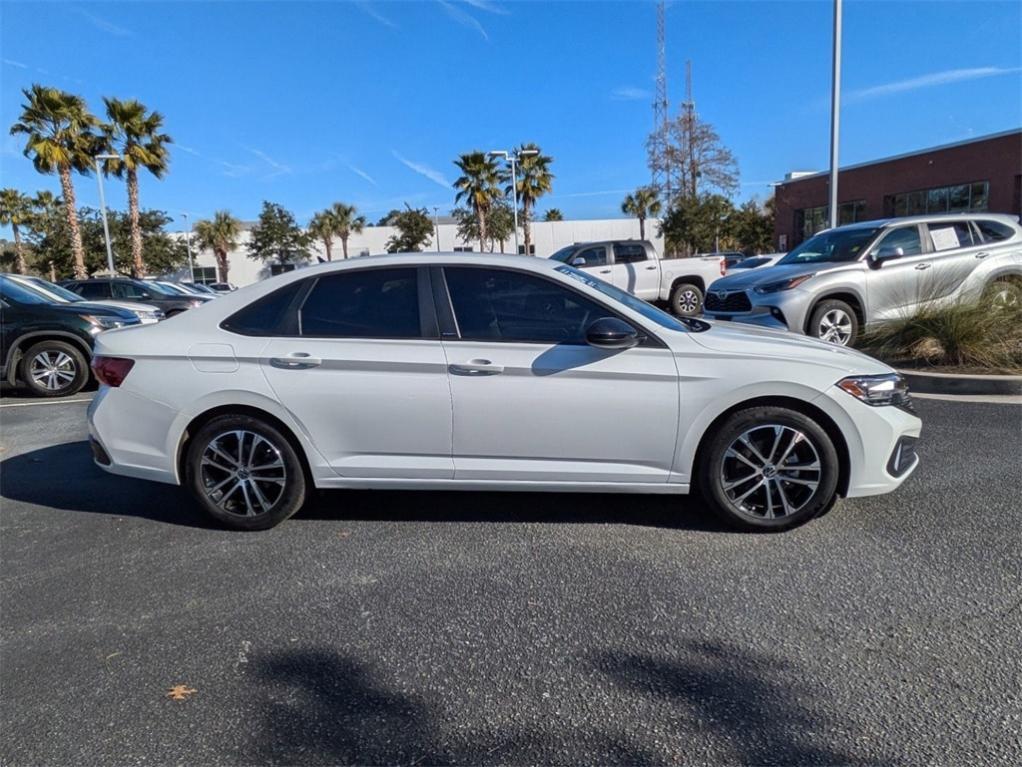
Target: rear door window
629, 253
91, 289
367, 303
950, 236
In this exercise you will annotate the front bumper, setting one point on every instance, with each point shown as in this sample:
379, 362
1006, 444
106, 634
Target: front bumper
783, 310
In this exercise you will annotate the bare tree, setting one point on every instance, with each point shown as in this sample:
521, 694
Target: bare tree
694, 157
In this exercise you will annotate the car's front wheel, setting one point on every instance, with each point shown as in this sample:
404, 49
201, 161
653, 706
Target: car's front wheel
686, 300
768, 469
54, 369
245, 473
834, 321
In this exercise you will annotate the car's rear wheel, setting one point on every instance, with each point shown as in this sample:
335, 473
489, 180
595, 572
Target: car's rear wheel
686, 300
769, 469
834, 321
54, 369
1005, 294
245, 473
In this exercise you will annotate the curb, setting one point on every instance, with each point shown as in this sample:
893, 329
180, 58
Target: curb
957, 383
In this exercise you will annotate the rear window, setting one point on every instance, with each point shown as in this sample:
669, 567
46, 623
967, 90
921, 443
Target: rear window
994, 231
269, 315
371, 303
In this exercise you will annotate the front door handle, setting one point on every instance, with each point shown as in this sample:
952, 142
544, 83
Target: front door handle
651, 268
296, 361
922, 266
604, 271
982, 254
477, 367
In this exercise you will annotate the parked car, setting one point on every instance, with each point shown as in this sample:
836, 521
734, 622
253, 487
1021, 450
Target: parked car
222, 287
731, 257
489, 372
146, 313
46, 344
205, 290
755, 262
634, 266
841, 279
119, 288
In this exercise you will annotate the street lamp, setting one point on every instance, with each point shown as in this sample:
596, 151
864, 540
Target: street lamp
512, 158
436, 225
188, 244
102, 209
835, 113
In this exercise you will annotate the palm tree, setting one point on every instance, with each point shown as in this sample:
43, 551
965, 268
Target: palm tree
219, 234
60, 139
136, 136
15, 209
477, 185
642, 203
554, 214
346, 221
323, 227
534, 180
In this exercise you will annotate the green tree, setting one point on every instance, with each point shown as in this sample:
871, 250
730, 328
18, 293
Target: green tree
752, 226
277, 235
534, 180
136, 136
554, 214
694, 224
501, 224
415, 229
477, 186
346, 221
219, 234
15, 211
60, 139
322, 228
468, 224
642, 203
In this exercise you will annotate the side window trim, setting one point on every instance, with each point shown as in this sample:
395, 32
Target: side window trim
650, 339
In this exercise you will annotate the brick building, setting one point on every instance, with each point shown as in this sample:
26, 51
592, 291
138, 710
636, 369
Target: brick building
979, 174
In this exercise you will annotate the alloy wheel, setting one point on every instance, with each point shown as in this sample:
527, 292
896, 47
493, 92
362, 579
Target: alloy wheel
688, 302
243, 473
835, 327
53, 370
771, 471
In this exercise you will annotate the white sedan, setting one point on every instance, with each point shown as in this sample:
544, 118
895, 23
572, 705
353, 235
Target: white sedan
447, 371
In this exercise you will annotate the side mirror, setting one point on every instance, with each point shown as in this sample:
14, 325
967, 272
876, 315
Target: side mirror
611, 333
888, 253
578, 262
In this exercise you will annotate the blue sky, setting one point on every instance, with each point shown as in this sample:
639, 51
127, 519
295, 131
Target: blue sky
369, 102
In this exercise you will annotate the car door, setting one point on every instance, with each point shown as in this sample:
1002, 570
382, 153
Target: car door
364, 372
893, 283
957, 251
634, 271
595, 260
532, 401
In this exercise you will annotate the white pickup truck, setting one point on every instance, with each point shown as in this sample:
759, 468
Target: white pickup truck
634, 265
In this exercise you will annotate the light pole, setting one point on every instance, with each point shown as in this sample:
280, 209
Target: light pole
102, 210
512, 159
188, 244
436, 225
835, 113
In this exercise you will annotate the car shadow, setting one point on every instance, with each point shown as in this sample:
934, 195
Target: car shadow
64, 477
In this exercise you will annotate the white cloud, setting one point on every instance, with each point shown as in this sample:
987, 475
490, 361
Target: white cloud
368, 9
486, 5
276, 168
107, 26
931, 80
629, 93
465, 19
13, 63
187, 149
423, 170
359, 172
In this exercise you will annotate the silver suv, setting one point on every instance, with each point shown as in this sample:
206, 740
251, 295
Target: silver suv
844, 278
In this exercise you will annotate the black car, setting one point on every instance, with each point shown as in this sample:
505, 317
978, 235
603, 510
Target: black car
128, 289
46, 344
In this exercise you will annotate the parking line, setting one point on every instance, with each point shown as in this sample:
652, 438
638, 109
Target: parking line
45, 402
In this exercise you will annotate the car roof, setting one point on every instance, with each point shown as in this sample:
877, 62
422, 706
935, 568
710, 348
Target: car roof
933, 217
531, 263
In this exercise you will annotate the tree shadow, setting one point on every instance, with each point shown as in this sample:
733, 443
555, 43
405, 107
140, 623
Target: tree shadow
65, 477
737, 692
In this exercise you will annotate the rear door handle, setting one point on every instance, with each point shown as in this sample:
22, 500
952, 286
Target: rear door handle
982, 254
476, 368
296, 361
922, 266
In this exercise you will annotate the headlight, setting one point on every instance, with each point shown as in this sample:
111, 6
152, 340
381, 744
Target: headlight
103, 323
794, 282
889, 389
195, 303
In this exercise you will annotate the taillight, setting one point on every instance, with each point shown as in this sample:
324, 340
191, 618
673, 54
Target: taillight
723, 267
111, 370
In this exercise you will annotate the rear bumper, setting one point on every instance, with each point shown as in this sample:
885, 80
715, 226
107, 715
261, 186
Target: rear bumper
128, 435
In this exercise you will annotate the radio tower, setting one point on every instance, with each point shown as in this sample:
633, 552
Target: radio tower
659, 162
688, 112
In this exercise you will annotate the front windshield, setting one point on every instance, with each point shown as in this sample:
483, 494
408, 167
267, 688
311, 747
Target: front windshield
155, 287
174, 288
648, 311
835, 245
22, 294
564, 254
61, 294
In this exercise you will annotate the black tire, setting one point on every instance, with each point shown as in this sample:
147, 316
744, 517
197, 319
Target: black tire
722, 482
238, 496
173, 313
1004, 294
686, 299
835, 321
56, 364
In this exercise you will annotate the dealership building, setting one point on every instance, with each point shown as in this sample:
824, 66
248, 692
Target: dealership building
547, 237
981, 174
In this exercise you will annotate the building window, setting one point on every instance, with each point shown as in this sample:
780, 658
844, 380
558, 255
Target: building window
466, 249
532, 250
959, 198
809, 221
205, 275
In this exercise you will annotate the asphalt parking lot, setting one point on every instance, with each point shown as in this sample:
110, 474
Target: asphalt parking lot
470, 628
